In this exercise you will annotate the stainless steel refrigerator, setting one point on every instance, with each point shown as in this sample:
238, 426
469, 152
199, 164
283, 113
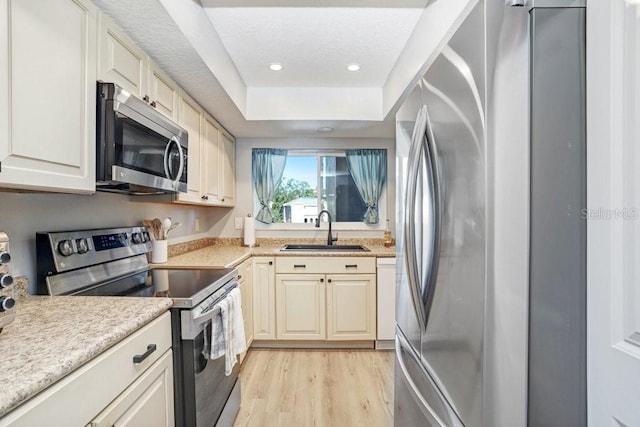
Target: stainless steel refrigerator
456, 345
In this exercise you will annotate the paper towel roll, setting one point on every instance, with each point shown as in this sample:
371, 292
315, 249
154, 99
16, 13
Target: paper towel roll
249, 231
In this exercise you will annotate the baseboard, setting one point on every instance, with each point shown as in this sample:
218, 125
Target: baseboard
312, 344
385, 344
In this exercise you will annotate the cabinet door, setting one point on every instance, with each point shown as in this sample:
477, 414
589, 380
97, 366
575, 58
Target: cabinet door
48, 95
146, 402
246, 273
189, 117
211, 156
120, 61
351, 307
227, 169
163, 92
300, 299
264, 299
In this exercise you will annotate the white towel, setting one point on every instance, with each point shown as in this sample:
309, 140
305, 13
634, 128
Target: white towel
227, 331
235, 340
214, 345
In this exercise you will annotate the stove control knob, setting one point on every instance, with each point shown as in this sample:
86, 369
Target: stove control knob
6, 303
137, 238
4, 257
65, 247
5, 281
83, 245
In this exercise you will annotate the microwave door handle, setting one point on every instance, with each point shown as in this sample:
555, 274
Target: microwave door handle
167, 167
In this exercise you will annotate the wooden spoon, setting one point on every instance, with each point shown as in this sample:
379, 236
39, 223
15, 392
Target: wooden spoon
157, 228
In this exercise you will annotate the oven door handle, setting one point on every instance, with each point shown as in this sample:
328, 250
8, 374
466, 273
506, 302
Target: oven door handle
206, 316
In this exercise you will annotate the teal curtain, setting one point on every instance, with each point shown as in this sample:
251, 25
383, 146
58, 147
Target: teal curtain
368, 167
267, 168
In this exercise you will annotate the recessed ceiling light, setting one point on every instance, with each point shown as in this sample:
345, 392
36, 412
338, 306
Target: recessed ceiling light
353, 67
275, 66
325, 129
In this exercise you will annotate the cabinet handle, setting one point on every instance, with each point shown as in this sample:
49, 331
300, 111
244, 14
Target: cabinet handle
138, 358
239, 276
321, 280
222, 199
145, 98
329, 280
270, 262
153, 104
351, 266
299, 266
205, 197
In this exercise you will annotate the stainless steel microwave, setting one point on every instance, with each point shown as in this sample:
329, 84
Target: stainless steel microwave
139, 151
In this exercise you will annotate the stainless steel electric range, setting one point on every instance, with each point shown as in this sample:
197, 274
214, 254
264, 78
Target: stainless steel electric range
113, 262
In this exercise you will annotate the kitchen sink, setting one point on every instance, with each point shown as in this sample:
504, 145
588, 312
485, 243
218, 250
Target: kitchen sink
328, 248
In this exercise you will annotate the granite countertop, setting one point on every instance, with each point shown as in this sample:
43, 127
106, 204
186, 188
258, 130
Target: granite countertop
231, 255
53, 336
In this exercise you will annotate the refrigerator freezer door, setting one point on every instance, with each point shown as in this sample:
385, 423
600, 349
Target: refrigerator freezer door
417, 399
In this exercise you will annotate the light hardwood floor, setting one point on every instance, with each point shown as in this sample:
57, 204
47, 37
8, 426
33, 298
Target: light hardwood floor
331, 388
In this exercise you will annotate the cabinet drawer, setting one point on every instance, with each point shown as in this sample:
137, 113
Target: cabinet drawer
113, 371
326, 265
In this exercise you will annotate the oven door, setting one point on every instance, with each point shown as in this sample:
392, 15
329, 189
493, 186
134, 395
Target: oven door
139, 146
207, 392
211, 387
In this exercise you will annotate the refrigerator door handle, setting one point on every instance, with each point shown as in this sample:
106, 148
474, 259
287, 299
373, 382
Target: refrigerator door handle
428, 287
410, 246
435, 406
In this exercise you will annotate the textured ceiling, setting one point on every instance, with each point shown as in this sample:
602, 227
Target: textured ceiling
314, 45
219, 52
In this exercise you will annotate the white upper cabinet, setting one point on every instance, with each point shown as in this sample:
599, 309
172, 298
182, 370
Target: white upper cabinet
211, 171
190, 117
211, 158
48, 96
227, 161
122, 62
163, 92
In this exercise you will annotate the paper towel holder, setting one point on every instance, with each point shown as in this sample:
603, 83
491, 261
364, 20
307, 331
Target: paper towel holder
254, 244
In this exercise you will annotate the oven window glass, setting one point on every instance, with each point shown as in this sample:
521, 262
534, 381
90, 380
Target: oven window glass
142, 149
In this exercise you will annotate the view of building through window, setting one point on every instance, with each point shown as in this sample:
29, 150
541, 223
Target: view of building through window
311, 183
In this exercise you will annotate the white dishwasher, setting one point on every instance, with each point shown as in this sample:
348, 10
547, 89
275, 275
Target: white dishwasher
386, 310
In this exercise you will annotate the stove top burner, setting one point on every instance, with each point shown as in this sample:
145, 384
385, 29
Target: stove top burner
186, 287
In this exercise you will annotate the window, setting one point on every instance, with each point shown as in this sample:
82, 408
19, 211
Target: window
316, 181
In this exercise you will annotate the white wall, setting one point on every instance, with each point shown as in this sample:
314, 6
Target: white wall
22, 215
244, 191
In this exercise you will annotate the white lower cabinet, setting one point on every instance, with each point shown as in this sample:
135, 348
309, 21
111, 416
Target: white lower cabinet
351, 307
326, 298
245, 281
300, 302
264, 299
147, 402
112, 389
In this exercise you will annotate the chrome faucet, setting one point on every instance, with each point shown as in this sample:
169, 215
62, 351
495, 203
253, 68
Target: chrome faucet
330, 238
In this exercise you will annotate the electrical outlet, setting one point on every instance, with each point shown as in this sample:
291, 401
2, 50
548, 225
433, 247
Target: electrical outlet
196, 225
238, 223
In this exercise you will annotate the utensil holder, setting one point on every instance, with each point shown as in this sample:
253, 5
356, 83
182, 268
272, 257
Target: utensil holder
158, 251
